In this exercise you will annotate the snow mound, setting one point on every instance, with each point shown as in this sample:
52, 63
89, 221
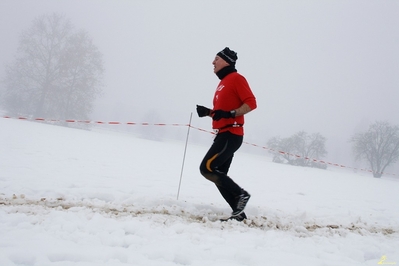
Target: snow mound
175, 212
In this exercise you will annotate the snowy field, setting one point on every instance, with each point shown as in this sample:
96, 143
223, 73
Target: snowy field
76, 197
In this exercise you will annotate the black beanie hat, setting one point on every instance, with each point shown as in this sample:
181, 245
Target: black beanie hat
228, 55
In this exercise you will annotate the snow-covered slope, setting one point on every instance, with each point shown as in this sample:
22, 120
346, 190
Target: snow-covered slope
76, 197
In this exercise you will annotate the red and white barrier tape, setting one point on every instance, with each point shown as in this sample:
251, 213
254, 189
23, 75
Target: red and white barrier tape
95, 122
299, 156
187, 125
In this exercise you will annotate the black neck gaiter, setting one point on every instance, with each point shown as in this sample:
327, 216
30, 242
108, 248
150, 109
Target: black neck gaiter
225, 71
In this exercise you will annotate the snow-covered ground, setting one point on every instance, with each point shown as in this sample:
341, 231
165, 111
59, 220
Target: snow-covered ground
100, 197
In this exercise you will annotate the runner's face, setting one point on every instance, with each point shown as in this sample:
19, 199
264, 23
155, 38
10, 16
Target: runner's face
218, 64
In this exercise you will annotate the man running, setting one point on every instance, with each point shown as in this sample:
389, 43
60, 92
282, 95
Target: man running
232, 100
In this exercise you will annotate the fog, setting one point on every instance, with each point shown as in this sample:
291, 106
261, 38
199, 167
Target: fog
320, 66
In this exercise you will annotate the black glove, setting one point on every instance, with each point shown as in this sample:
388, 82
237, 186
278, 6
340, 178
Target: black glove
219, 114
203, 111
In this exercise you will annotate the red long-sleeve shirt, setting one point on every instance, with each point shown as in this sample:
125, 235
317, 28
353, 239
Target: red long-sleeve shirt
232, 92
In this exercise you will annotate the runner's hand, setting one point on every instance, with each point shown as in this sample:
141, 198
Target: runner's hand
219, 114
203, 111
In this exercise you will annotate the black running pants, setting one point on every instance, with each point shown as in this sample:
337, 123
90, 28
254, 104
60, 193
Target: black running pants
216, 164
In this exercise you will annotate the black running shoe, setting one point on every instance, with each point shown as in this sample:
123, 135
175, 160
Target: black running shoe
241, 217
241, 203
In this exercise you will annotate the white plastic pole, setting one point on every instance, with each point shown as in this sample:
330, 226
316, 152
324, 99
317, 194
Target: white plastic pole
184, 155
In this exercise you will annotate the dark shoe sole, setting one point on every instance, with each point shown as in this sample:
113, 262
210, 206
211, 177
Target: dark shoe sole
238, 218
238, 212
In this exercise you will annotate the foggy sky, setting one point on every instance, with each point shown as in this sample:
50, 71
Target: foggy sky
320, 66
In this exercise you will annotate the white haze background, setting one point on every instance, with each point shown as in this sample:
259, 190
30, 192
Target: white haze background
108, 196
320, 66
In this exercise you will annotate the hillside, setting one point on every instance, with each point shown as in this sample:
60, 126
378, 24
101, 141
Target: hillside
102, 197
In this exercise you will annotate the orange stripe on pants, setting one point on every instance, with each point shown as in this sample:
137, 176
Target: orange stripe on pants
208, 163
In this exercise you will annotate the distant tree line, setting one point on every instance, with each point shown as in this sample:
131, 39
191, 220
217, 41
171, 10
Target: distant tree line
379, 147
57, 72
299, 149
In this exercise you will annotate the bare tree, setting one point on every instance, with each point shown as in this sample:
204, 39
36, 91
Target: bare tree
299, 149
57, 71
309, 147
379, 146
283, 149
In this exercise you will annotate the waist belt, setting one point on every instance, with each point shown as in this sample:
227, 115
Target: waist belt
227, 126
